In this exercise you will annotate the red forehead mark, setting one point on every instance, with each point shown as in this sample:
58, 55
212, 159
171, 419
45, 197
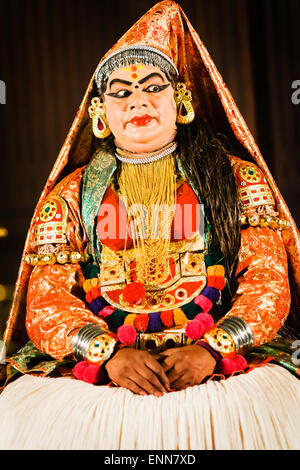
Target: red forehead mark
133, 69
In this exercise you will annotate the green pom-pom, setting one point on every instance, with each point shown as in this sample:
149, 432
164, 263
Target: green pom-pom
191, 310
90, 271
116, 319
213, 258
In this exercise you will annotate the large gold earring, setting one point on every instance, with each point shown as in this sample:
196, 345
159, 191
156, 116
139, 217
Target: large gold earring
185, 110
98, 116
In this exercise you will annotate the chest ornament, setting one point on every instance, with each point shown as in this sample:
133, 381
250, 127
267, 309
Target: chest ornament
173, 310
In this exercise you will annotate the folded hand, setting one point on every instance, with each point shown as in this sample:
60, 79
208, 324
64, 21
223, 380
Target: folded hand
187, 366
137, 371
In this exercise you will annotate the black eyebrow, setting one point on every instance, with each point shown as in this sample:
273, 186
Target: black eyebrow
154, 74
140, 82
116, 80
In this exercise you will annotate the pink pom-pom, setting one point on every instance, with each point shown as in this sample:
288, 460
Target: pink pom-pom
194, 329
93, 374
90, 373
126, 334
203, 302
240, 363
79, 368
206, 319
227, 366
106, 311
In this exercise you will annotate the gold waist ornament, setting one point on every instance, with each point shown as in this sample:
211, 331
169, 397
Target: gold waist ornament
155, 343
186, 279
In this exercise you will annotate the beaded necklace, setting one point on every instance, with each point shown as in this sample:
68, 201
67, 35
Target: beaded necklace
138, 159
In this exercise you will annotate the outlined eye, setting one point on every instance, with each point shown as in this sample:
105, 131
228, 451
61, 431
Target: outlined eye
120, 94
123, 93
155, 88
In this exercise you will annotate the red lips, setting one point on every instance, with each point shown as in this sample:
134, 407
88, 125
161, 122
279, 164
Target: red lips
141, 120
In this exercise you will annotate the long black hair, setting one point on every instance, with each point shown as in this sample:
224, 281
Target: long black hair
205, 158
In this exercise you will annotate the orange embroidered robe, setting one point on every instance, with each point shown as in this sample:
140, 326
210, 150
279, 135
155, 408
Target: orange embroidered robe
55, 300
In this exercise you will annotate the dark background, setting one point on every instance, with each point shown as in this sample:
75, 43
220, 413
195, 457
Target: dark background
50, 48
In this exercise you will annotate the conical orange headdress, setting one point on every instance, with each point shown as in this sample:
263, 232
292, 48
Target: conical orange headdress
166, 28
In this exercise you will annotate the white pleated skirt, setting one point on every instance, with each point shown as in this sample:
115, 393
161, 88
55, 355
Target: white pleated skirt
255, 411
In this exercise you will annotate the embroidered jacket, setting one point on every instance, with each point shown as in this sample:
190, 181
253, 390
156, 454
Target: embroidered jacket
55, 303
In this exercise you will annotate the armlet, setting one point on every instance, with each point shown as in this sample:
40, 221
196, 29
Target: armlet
51, 222
50, 236
257, 203
254, 190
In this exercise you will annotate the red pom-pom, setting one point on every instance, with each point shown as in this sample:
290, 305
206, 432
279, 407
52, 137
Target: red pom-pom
229, 366
141, 322
240, 363
167, 318
194, 329
90, 373
206, 319
211, 280
93, 374
79, 368
89, 297
220, 282
126, 335
134, 293
95, 292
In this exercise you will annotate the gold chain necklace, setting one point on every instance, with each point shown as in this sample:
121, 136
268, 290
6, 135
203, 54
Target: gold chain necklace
149, 192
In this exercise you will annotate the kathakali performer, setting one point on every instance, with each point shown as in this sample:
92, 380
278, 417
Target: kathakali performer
160, 269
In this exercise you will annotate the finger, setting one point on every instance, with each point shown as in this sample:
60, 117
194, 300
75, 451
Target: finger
173, 375
177, 370
133, 387
159, 371
167, 365
181, 383
156, 356
150, 384
159, 358
155, 384
139, 384
170, 362
170, 352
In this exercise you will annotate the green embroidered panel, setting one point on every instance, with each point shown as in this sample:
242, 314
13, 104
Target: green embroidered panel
95, 183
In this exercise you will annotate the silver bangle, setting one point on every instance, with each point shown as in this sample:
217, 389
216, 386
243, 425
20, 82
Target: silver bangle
84, 338
239, 331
